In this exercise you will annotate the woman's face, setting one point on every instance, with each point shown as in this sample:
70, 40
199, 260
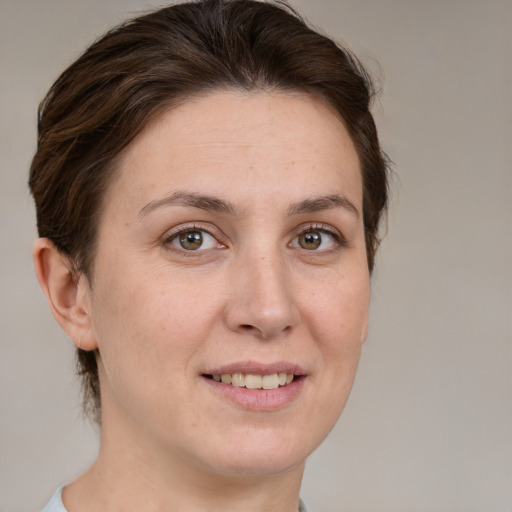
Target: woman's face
231, 248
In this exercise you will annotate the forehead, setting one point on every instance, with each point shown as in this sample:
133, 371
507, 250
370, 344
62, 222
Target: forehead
241, 143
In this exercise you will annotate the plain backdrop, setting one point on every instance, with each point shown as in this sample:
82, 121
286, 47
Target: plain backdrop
428, 427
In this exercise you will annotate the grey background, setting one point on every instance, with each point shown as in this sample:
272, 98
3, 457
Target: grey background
429, 423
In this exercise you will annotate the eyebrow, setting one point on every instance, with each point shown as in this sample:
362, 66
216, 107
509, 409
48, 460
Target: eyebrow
210, 203
323, 203
182, 198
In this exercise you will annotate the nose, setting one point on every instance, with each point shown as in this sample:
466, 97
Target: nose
262, 302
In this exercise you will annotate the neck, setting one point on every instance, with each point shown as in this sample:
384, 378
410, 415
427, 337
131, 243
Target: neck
131, 474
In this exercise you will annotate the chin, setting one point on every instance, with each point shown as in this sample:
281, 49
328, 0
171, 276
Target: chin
260, 464
262, 453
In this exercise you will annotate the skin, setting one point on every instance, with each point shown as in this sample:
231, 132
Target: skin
161, 316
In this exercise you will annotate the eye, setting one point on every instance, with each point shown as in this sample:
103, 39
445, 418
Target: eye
194, 239
317, 239
311, 240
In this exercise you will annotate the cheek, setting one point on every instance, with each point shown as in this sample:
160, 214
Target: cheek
152, 321
148, 332
338, 320
338, 313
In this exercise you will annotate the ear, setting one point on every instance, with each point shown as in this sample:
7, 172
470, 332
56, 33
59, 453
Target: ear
68, 295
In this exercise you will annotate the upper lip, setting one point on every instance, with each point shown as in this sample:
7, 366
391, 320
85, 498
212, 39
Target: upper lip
256, 368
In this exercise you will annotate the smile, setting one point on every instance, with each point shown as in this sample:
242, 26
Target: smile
254, 381
257, 386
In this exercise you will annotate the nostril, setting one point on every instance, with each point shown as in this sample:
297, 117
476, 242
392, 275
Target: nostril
264, 332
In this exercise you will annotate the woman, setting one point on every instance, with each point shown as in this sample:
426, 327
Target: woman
208, 185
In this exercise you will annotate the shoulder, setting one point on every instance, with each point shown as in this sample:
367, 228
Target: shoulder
55, 504
302, 507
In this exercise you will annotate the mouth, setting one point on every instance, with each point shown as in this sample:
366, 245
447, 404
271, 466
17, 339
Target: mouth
255, 386
254, 381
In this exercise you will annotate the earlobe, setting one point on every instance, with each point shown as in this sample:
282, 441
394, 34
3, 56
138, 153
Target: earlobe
68, 295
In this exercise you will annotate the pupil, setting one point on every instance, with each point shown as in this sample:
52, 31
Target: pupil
310, 240
191, 240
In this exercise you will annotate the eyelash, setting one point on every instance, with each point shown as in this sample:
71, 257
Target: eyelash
175, 233
338, 238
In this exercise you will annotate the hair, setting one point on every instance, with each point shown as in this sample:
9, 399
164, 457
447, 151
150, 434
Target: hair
145, 66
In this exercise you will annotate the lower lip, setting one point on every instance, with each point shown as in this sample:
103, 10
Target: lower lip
259, 399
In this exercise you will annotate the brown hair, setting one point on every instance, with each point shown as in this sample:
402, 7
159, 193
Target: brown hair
134, 72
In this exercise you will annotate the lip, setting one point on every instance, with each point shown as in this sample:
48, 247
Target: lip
258, 368
258, 399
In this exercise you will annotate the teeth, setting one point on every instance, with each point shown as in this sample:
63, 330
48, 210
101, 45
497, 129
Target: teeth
270, 381
238, 380
252, 381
